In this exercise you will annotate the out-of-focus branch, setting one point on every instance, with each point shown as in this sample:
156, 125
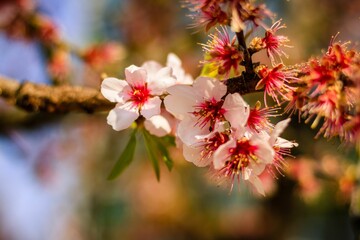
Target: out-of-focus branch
34, 97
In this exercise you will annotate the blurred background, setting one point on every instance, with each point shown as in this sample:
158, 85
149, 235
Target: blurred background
53, 168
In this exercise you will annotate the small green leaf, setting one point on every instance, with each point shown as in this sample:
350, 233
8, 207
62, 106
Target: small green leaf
168, 140
125, 158
165, 153
150, 148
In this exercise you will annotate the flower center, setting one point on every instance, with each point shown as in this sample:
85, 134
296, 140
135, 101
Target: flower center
139, 95
213, 143
241, 155
209, 112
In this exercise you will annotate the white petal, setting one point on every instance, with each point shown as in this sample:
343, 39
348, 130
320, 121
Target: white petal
151, 67
264, 151
257, 168
210, 88
135, 76
173, 61
221, 155
151, 107
159, 82
158, 125
237, 110
283, 143
188, 131
181, 100
278, 129
114, 89
187, 79
256, 182
194, 155
122, 116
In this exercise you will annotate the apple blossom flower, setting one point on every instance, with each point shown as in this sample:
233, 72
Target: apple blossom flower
276, 82
207, 14
163, 124
223, 53
273, 42
200, 144
204, 100
244, 156
135, 96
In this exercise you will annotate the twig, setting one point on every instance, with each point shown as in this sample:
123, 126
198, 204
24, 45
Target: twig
34, 97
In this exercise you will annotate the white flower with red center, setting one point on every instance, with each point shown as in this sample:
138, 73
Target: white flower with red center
135, 96
244, 156
200, 145
202, 109
163, 124
204, 101
273, 43
276, 82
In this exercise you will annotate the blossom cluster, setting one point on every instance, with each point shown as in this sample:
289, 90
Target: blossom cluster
236, 13
215, 129
328, 93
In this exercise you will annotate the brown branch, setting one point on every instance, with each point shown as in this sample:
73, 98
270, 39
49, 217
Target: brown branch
34, 97
242, 84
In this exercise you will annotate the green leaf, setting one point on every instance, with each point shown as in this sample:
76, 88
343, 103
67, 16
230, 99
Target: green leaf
150, 148
168, 140
164, 153
125, 158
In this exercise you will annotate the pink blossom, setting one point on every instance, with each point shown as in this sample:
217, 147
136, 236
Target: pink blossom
135, 96
200, 145
273, 42
223, 53
276, 82
245, 157
204, 101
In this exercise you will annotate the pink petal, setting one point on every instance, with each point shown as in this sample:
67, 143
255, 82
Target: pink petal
188, 131
181, 100
151, 107
256, 182
151, 67
122, 116
135, 76
160, 81
173, 61
158, 125
265, 152
210, 88
237, 110
114, 89
221, 155
283, 143
278, 129
194, 155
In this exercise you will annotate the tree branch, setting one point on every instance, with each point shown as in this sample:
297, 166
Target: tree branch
34, 97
